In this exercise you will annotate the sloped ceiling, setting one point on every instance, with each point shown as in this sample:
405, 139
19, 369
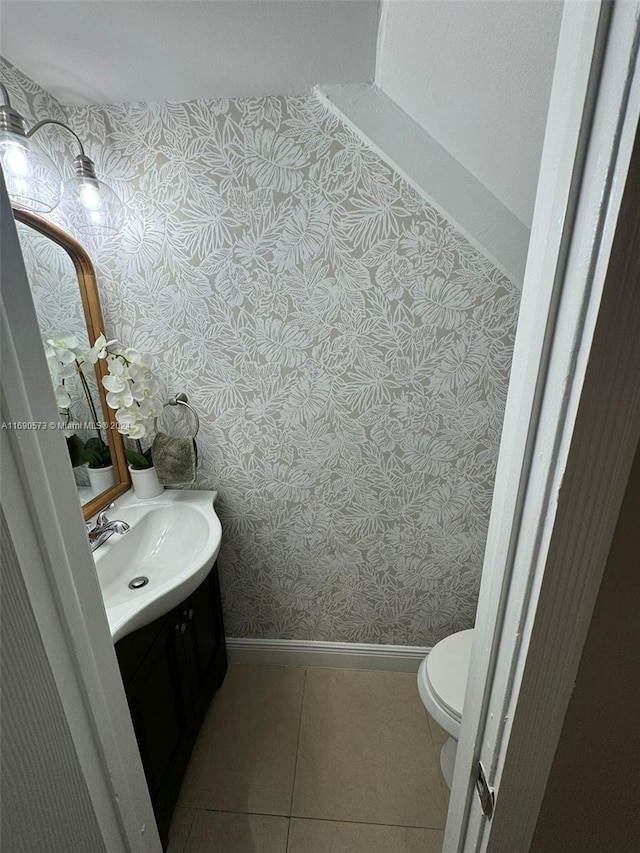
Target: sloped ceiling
110, 51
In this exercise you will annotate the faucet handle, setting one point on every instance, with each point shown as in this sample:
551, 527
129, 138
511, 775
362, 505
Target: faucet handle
102, 516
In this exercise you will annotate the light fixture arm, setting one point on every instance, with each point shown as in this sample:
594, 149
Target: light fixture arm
42, 123
85, 167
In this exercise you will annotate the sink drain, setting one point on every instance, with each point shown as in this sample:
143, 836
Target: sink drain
136, 583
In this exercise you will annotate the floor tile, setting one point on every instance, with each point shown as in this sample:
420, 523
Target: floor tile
365, 751
244, 758
179, 830
223, 832
325, 836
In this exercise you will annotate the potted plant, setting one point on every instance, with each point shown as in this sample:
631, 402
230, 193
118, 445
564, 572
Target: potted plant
143, 473
98, 458
132, 393
65, 357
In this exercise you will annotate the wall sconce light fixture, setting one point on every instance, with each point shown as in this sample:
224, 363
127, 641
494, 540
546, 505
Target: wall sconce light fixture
34, 182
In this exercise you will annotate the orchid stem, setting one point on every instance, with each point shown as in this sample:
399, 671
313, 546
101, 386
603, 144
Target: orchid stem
90, 403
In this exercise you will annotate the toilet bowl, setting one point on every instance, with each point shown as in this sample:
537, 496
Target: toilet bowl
442, 681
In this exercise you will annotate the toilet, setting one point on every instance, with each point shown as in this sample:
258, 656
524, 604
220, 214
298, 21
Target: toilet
442, 681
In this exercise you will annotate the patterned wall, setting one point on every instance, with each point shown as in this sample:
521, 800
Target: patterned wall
347, 350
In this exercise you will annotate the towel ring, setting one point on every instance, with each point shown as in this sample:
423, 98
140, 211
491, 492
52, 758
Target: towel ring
180, 400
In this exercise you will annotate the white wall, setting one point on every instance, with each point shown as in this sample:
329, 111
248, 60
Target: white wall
476, 75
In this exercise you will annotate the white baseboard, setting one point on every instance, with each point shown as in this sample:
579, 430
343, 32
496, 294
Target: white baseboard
369, 656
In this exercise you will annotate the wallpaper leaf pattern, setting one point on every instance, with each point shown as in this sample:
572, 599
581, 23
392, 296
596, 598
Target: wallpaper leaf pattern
347, 350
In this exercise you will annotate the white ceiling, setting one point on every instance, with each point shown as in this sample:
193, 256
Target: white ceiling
110, 51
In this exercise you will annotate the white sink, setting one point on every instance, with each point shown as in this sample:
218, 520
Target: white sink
173, 541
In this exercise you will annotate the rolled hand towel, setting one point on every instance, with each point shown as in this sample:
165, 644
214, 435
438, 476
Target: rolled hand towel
175, 459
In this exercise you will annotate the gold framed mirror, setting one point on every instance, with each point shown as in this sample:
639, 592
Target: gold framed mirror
65, 293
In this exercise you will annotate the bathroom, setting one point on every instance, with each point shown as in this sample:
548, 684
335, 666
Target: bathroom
273, 262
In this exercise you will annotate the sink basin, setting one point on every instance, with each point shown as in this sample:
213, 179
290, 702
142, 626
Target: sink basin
170, 548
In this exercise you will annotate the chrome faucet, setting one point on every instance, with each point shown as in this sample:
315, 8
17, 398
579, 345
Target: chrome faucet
104, 528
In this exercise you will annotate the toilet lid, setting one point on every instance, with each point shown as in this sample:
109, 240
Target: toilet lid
448, 668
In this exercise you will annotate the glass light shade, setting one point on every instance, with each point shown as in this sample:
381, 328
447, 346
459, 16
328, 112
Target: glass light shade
91, 207
33, 181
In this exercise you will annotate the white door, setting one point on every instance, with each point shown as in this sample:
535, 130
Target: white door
571, 428
68, 726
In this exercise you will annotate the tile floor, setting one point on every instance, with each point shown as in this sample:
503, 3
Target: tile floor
293, 760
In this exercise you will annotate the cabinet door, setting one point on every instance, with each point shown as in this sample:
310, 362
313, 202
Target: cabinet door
204, 641
158, 710
171, 670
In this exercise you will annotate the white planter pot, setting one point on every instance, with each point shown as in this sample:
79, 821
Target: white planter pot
145, 483
101, 479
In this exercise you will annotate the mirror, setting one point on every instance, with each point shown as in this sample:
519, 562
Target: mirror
65, 294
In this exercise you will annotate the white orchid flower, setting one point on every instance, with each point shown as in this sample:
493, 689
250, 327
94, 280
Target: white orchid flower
130, 423
144, 388
119, 399
135, 372
116, 366
138, 358
137, 430
65, 348
66, 341
62, 398
66, 356
62, 371
137, 391
55, 366
100, 348
128, 414
115, 384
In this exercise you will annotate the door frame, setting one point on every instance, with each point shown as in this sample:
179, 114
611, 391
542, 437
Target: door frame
62, 594
571, 428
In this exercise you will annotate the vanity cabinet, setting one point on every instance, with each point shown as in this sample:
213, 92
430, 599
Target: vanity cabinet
171, 669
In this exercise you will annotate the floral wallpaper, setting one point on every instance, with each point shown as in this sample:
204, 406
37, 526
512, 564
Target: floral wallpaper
347, 350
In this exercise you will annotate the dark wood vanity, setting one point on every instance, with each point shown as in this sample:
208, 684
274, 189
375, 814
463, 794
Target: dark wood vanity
171, 669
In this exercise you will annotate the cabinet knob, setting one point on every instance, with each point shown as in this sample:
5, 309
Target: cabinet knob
191, 613
183, 627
